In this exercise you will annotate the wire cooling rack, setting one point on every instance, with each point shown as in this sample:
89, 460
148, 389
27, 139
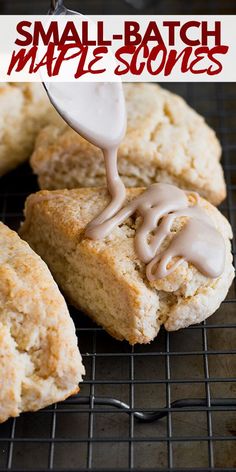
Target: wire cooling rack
170, 405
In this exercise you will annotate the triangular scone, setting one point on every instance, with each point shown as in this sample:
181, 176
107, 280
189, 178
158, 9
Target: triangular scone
106, 279
24, 110
166, 141
40, 361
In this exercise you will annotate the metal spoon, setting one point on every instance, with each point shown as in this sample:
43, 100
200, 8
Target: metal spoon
85, 122
57, 8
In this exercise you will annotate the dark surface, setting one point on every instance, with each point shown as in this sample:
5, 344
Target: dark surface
157, 7
195, 363
90, 433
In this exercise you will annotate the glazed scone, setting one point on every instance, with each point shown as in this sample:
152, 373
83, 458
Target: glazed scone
166, 141
24, 109
105, 278
40, 361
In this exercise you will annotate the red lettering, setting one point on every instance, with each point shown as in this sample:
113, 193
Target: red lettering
47, 61
183, 33
212, 52
132, 31
216, 33
98, 54
70, 34
153, 56
50, 36
28, 36
118, 56
101, 40
152, 33
20, 59
200, 53
171, 30
62, 55
173, 58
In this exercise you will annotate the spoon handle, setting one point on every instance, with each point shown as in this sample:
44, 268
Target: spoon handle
55, 4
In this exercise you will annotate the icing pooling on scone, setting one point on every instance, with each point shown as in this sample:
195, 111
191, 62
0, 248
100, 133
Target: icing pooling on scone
197, 242
102, 121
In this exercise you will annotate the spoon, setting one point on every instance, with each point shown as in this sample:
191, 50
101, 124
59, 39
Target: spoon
57, 8
95, 110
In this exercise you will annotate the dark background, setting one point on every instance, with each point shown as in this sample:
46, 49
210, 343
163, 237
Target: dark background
157, 7
198, 362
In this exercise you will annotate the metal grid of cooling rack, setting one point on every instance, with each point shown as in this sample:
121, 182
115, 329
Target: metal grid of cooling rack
167, 406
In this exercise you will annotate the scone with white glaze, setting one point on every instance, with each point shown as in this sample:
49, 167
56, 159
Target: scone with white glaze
24, 109
166, 141
105, 278
40, 361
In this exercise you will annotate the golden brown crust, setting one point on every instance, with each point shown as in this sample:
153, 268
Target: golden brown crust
166, 141
106, 279
40, 361
25, 109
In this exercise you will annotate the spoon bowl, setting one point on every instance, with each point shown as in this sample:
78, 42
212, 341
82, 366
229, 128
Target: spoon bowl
95, 110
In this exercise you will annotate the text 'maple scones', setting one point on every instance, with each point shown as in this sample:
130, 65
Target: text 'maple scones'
166, 141
24, 109
40, 361
105, 278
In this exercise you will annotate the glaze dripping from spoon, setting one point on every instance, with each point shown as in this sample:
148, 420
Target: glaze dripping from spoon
97, 112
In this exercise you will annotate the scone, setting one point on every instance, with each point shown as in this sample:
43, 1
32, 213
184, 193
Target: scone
105, 279
40, 361
166, 141
24, 109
